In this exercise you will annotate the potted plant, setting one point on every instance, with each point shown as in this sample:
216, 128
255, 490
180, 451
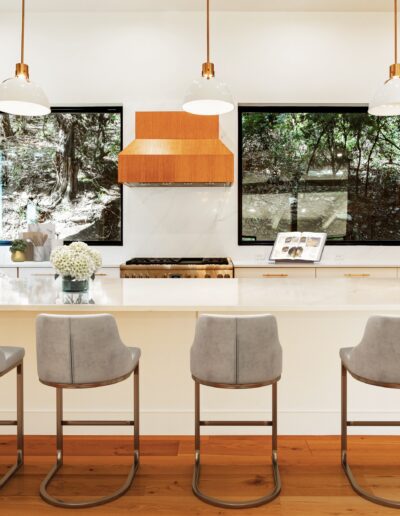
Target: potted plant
17, 249
76, 264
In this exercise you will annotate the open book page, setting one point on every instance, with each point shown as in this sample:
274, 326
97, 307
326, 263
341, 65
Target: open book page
313, 245
298, 246
285, 246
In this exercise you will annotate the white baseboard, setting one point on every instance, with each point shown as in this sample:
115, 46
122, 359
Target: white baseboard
159, 422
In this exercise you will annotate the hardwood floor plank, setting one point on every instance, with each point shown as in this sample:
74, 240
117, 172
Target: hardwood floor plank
235, 467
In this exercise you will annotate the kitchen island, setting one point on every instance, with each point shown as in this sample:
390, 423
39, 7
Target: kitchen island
315, 319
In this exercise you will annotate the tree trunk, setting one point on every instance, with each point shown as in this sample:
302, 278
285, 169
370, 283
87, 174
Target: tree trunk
6, 123
359, 161
69, 169
369, 159
321, 134
66, 166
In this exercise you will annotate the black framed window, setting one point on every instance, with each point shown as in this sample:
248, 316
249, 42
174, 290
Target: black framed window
333, 169
62, 168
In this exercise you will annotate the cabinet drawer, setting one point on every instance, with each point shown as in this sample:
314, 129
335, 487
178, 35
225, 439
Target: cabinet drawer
27, 272
36, 271
104, 272
11, 272
274, 272
357, 272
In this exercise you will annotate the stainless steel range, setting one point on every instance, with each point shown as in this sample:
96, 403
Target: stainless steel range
177, 268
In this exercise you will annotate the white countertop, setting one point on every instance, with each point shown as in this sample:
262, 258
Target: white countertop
243, 263
231, 295
40, 265
344, 264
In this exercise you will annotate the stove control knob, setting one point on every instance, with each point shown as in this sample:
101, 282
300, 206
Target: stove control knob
219, 276
207, 276
227, 275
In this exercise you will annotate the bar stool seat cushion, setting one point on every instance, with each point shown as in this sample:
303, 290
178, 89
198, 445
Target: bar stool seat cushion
236, 350
81, 350
10, 356
377, 357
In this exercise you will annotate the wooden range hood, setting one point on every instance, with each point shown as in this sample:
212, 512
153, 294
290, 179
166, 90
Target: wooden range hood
175, 148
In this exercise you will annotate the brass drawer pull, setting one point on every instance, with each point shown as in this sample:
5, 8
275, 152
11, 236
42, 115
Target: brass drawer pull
357, 275
275, 275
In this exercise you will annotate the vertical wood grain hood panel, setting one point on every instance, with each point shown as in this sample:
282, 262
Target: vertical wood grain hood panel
176, 148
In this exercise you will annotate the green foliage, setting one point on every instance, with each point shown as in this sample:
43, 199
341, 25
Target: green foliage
18, 245
60, 162
322, 152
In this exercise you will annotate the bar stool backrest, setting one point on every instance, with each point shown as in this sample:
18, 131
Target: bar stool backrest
377, 357
84, 349
236, 350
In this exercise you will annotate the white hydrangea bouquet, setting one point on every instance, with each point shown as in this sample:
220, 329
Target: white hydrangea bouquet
76, 263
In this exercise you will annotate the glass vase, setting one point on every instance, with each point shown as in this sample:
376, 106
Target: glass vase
70, 284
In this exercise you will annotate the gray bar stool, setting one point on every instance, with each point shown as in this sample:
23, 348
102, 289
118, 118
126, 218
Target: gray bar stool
78, 352
236, 353
11, 358
376, 361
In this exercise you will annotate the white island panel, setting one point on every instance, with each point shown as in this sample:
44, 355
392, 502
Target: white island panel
160, 316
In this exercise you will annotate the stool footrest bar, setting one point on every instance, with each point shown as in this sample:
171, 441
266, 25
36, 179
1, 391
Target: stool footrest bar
235, 423
8, 423
373, 423
97, 423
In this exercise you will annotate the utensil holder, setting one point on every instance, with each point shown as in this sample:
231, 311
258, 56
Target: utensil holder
39, 253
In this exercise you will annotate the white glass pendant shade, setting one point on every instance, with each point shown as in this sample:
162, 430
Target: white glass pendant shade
20, 96
208, 97
386, 101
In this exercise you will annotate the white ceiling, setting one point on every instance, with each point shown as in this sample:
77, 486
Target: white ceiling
195, 5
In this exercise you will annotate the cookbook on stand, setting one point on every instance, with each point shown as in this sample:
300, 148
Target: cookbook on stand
298, 247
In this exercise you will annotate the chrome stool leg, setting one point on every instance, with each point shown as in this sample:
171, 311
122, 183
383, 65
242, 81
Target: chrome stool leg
196, 475
19, 423
60, 452
345, 423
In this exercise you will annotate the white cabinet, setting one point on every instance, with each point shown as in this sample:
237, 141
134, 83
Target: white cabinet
357, 272
11, 272
27, 272
274, 272
317, 272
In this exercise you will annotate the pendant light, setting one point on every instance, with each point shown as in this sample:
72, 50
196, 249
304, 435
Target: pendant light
18, 95
386, 101
208, 96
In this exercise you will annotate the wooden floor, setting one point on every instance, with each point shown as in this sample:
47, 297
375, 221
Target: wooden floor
312, 479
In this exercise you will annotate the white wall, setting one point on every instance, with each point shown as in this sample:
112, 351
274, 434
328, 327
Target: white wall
146, 61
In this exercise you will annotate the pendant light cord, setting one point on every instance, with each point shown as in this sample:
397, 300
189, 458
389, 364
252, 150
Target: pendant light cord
23, 31
208, 30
